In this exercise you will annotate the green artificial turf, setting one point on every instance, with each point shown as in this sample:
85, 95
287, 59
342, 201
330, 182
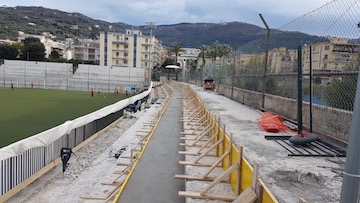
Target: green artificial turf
25, 112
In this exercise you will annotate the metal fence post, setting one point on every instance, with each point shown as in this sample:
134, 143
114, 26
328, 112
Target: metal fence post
310, 92
299, 81
266, 59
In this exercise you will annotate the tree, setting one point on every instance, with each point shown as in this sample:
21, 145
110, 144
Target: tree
223, 51
218, 50
202, 54
191, 65
33, 50
176, 49
54, 55
213, 51
30, 40
8, 51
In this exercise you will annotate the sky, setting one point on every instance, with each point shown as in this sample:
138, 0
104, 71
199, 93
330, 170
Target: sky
163, 12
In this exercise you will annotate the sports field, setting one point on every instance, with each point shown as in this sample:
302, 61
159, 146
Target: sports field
25, 112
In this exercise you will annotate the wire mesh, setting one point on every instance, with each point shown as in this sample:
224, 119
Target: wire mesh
329, 38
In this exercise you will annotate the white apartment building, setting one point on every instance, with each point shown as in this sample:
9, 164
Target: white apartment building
131, 49
87, 50
186, 54
49, 44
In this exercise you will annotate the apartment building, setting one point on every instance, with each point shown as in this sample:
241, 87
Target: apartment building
131, 49
49, 44
87, 50
333, 56
186, 54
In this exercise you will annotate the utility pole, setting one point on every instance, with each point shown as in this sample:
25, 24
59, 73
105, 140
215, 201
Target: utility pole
151, 26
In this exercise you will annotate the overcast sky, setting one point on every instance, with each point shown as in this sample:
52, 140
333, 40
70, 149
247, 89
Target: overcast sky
137, 12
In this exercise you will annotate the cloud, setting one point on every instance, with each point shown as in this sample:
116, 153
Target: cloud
137, 12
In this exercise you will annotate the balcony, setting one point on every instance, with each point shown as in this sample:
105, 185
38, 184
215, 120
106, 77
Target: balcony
120, 49
120, 41
121, 64
120, 57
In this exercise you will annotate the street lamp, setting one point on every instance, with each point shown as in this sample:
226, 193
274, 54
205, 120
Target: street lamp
151, 26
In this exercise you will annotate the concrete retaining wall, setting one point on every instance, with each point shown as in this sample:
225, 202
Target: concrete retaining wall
330, 121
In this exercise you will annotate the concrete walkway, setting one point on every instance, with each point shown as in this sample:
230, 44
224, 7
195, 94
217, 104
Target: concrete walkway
153, 178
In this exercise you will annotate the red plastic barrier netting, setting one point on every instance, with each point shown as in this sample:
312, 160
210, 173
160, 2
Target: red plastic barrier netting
272, 123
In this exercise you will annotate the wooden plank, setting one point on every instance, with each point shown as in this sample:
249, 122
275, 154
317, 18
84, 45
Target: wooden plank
122, 164
197, 195
210, 149
121, 172
248, 196
220, 178
190, 138
196, 164
302, 200
195, 154
189, 177
112, 183
93, 197
206, 143
238, 184
190, 145
216, 163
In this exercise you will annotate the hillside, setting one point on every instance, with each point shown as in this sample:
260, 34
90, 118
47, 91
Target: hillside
36, 20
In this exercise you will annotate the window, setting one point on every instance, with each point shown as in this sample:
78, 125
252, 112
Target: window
146, 56
117, 46
125, 54
126, 46
146, 40
117, 61
326, 57
327, 47
126, 38
125, 61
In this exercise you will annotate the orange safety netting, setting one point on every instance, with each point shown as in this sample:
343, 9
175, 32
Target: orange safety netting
272, 123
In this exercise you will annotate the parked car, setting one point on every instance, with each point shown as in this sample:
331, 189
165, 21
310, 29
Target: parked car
209, 83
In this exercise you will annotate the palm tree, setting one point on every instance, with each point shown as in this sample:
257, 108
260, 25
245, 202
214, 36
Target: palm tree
213, 51
176, 49
203, 53
204, 49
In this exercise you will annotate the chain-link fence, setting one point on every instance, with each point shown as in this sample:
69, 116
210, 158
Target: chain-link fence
328, 43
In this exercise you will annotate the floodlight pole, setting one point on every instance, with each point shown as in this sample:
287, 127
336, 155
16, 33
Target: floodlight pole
151, 26
350, 190
351, 180
266, 59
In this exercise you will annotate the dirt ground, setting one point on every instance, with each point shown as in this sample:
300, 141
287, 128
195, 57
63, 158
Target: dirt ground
316, 179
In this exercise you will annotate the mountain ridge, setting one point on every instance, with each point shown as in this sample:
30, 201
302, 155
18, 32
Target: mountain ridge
36, 20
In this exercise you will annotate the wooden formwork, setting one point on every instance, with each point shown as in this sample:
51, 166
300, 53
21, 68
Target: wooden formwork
121, 177
212, 138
